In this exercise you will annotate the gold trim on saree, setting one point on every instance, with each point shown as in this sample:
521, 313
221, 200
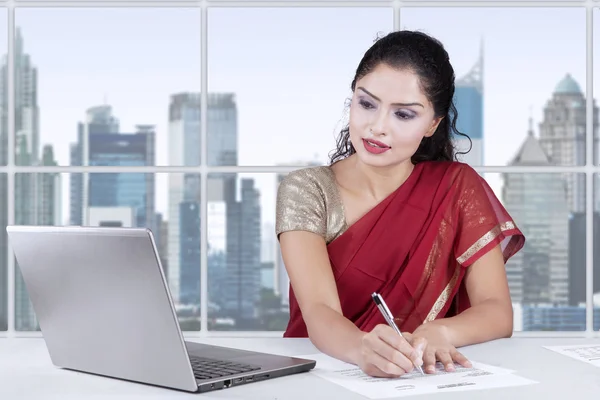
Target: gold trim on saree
478, 245
444, 296
485, 240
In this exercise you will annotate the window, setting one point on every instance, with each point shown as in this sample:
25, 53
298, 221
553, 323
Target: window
511, 80
3, 251
3, 184
594, 271
132, 71
247, 282
185, 119
288, 83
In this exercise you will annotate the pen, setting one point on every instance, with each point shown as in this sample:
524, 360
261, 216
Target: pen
385, 311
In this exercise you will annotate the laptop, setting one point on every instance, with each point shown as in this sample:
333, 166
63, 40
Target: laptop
104, 307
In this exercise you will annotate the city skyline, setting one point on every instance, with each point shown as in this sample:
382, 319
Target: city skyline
463, 47
242, 221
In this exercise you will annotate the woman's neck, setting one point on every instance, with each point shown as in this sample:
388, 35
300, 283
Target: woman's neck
380, 182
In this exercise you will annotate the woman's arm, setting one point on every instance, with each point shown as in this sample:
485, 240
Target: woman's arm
381, 352
307, 263
491, 314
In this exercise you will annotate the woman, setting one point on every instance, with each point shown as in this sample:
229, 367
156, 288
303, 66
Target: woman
394, 214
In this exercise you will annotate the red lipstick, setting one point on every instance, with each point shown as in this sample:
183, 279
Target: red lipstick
375, 146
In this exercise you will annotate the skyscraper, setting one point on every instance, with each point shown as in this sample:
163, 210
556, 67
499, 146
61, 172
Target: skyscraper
26, 107
99, 143
562, 136
37, 199
99, 119
538, 274
468, 99
189, 247
184, 149
135, 190
243, 253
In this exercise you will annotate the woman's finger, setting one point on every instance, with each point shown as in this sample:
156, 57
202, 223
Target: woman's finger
405, 355
429, 361
375, 372
444, 357
460, 358
380, 347
384, 365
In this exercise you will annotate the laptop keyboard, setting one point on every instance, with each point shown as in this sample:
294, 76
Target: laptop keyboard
206, 368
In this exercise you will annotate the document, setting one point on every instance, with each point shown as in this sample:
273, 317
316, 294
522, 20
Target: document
589, 353
480, 376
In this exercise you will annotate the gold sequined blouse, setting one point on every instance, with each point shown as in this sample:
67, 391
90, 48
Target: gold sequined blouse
308, 199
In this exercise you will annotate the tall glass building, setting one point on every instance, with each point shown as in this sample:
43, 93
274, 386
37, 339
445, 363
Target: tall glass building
468, 99
184, 189
123, 189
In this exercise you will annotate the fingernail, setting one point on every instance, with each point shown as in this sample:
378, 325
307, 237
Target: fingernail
430, 369
450, 367
468, 364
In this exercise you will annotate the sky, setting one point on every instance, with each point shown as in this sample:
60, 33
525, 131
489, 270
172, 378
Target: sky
290, 69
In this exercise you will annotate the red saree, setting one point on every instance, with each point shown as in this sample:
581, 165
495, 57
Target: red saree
414, 247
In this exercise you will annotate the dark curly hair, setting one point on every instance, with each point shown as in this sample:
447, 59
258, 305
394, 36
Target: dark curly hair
426, 57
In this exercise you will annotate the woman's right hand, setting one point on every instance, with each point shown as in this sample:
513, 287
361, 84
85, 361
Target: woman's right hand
386, 354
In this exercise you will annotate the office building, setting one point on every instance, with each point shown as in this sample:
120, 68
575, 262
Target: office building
562, 135
539, 273
468, 99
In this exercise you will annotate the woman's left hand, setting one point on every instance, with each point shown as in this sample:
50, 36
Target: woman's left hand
439, 348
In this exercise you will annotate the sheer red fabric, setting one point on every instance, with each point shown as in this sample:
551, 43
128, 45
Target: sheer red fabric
414, 248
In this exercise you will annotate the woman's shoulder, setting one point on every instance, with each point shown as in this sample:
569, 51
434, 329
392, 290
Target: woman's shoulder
305, 198
315, 176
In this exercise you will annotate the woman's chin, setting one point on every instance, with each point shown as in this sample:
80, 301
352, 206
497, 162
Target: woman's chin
385, 159
377, 161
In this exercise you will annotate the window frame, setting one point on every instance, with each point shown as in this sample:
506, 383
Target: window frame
589, 169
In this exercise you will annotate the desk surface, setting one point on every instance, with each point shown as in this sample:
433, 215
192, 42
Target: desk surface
27, 373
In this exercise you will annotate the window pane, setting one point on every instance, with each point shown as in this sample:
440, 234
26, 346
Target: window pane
547, 277
287, 85
596, 88
119, 199
4, 51
126, 79
596, 79
596, 255
247, 281
3, 253
507, 76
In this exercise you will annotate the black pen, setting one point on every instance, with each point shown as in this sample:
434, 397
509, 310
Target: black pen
387, 314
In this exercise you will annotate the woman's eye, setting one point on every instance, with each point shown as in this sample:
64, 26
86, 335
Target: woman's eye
365, 104
404, 115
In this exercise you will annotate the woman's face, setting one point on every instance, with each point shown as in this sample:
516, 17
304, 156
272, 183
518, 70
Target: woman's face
389, 116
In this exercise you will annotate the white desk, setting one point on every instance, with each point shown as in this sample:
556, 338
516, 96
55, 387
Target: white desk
26, 373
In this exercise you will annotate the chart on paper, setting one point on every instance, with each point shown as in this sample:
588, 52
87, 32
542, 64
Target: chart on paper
480, 376
587, 353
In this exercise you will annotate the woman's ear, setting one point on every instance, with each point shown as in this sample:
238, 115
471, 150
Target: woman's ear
434, 124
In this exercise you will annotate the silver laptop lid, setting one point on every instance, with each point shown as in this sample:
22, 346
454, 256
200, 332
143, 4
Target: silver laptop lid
102, 302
